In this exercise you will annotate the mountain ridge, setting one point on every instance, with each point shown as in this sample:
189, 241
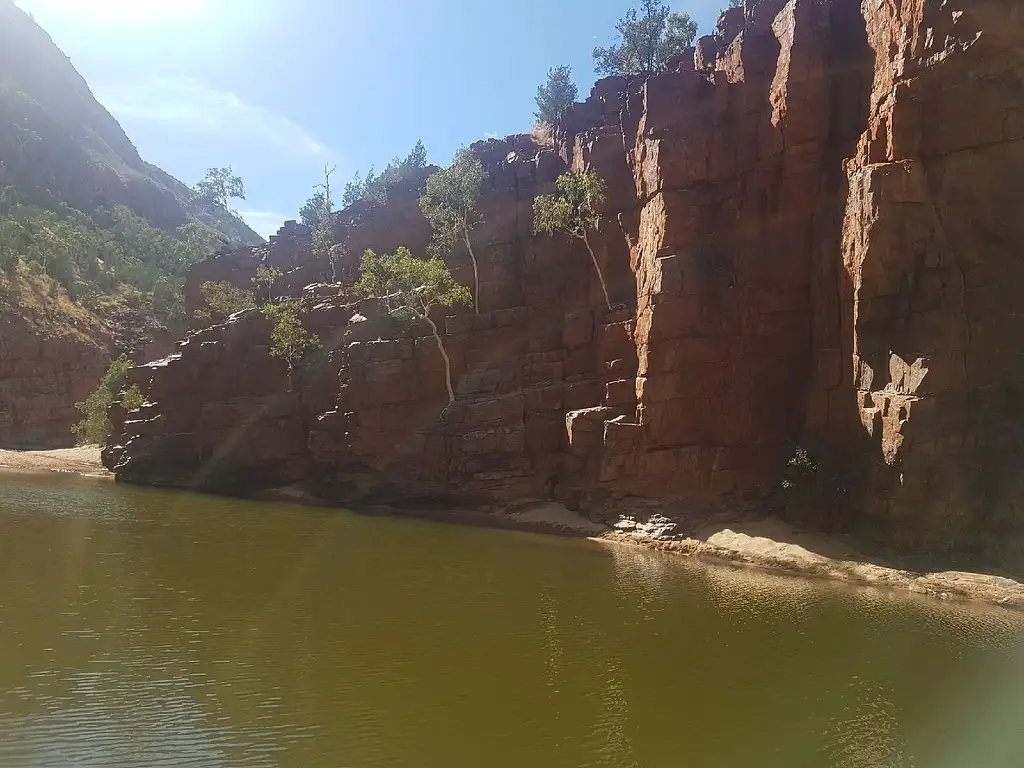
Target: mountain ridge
59, 143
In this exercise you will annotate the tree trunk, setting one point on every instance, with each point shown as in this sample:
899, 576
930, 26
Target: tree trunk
476, 272
444, 354
600, 276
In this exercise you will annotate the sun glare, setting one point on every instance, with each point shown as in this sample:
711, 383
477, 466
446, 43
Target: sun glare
120, 11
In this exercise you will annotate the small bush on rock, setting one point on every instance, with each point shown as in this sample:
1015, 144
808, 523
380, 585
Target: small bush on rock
289, 339
94, 428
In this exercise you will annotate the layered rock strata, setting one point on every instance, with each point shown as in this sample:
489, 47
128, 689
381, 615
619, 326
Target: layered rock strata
809, 242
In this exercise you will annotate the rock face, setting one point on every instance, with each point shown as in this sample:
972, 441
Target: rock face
42, 376
809, 241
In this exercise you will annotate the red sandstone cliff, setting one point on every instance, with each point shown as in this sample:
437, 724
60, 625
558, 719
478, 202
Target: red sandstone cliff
811, 239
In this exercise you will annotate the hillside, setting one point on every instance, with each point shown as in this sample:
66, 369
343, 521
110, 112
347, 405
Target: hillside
58, 143
95, 242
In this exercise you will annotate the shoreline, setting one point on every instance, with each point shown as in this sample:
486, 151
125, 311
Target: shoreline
740, 550
762, 543
83, 461
757, 543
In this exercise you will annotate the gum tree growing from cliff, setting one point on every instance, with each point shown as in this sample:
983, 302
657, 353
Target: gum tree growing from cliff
265, 279
573, 212
450, 205
415, 286
649, 35
94, 428
557, 94
380, 276
323, 243
289, 339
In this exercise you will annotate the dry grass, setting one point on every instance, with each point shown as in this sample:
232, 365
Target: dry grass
543, 134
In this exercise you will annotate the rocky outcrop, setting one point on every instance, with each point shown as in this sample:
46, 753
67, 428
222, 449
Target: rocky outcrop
808, 241
930, 285
367, 224
43, 373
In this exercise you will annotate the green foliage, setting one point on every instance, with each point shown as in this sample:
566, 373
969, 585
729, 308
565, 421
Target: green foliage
573, 212
451, 197
449, 204
414, 285
404, 281
265, 279
167, 300
219, 186
13, 241
379, 275
93, 257
309, 213
376, 187
648, 36
323, 241
289, 339
430, 284
223, 300
556, 95
94, 428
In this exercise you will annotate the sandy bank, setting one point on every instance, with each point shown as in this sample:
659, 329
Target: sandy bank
771, 544
84, 460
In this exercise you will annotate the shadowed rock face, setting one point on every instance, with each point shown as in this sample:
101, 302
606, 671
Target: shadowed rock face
809, 239
43, 373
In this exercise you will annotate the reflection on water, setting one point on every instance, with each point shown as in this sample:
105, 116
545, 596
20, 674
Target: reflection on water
141, 628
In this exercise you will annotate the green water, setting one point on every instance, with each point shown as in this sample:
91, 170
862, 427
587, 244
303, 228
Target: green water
142, 628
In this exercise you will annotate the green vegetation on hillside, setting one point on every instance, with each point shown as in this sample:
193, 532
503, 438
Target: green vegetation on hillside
94, 428
265, 279
111, 256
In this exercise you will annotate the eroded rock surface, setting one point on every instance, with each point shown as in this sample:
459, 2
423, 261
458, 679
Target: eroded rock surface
810, 239
43, 373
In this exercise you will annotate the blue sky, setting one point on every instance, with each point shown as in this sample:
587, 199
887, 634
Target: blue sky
279, 88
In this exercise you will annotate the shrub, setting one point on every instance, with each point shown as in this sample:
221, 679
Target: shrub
223, 300
95, 428
289, 339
